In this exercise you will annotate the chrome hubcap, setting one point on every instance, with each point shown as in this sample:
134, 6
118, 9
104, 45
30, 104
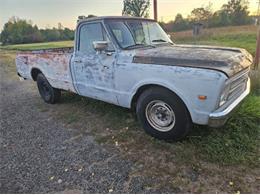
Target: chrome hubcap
160, 115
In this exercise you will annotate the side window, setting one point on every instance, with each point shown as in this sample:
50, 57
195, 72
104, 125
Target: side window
90, 33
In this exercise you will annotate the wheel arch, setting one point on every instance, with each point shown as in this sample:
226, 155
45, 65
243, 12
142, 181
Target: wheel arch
144, 87
34, 73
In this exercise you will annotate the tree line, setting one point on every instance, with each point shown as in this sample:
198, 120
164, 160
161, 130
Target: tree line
233, 13
18, 31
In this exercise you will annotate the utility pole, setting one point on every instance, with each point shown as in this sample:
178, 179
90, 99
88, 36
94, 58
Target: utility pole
258, 9
257, 52
155, 10
258, 12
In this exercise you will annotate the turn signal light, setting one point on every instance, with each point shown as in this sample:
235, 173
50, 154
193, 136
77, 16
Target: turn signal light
202, 97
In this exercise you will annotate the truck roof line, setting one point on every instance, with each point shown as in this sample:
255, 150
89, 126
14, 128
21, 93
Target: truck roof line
83, 18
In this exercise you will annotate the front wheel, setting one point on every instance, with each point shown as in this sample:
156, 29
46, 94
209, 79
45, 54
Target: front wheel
163, 114
49, 94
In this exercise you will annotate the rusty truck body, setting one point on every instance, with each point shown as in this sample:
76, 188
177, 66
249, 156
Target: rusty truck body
132, 62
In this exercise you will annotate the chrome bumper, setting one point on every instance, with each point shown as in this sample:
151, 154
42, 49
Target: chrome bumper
220, 116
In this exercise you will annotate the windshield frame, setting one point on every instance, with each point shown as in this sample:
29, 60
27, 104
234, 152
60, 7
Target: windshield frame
106, 22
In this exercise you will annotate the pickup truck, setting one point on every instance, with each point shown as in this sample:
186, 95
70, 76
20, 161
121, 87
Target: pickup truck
131, 62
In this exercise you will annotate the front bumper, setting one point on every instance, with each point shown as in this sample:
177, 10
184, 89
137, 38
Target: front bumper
220, 116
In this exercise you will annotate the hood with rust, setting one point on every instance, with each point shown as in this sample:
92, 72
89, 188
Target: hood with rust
227, 60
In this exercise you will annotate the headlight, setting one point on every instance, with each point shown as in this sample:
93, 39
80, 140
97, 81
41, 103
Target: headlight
224, 96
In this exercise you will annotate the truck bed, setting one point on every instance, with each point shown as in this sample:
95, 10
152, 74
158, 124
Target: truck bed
53, 63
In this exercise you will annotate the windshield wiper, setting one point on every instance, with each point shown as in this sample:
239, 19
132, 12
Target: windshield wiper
138, 45
159, 40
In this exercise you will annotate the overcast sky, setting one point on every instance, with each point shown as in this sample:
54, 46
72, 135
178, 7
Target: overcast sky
48, 13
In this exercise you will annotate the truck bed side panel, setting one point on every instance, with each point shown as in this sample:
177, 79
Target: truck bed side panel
54, 65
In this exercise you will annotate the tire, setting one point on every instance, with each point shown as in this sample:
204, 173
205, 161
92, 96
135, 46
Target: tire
163, 114
49, 94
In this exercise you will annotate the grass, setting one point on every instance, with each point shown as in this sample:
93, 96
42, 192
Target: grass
35, 46
242, 37
237, 142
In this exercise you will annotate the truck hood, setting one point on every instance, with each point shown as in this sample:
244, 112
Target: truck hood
227, 60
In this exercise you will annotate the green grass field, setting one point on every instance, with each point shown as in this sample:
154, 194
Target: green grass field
235, 143
242, 37
35, 46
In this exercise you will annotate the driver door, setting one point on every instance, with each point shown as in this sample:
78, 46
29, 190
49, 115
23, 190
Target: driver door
93, 71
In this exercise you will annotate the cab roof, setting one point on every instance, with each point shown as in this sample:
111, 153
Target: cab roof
83, 18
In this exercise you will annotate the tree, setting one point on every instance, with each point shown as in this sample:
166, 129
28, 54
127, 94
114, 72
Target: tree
237, 11
137, 8
180, 23
19, 31
220, 18
201, 15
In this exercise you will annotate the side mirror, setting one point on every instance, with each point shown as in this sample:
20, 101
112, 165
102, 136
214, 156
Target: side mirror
169, 36
100, 45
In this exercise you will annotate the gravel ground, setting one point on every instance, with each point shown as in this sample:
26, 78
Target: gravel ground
41, 155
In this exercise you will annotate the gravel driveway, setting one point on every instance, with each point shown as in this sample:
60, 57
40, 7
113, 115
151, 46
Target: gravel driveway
41, 155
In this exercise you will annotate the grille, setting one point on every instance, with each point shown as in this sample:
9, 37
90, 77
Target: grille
238, 84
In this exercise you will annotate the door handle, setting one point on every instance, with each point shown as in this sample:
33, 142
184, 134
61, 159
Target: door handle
109, 53
78, 61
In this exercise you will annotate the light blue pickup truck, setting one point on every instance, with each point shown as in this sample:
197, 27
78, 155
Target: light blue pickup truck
131, 62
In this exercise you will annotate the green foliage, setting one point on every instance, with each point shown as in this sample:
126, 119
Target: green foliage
17, 31
235, 12
137, 8
220, 18
180, 23
20, 31
201, 15
237, 141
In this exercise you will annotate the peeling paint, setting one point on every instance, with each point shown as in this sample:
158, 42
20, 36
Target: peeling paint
227, 60
53, 63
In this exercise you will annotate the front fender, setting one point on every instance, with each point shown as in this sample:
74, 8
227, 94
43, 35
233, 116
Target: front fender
163, 84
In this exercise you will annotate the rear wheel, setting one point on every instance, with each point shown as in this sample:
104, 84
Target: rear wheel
163, 114
49, 94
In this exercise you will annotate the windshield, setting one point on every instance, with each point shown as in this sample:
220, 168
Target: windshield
138, 33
